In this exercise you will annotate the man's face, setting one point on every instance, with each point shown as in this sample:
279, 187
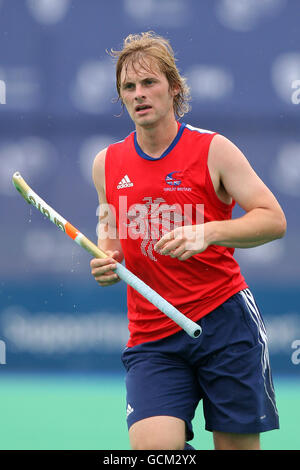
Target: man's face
146, 93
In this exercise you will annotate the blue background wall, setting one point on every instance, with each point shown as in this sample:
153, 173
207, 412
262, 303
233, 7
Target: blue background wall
242, 61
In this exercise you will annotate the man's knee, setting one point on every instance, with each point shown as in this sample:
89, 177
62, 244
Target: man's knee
232, 441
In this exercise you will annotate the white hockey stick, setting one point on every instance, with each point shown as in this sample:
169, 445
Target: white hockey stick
190, 327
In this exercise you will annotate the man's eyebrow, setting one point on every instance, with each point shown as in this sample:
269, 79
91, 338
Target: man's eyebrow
148, 77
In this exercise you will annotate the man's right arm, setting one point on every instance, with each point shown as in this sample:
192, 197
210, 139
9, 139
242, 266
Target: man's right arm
108, 240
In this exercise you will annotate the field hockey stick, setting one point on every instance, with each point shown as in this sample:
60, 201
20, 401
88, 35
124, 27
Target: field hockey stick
190, 327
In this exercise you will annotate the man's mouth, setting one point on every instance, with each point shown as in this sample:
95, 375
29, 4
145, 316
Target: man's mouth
142, 108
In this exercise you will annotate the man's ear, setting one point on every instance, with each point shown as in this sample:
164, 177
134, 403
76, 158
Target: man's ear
175, 90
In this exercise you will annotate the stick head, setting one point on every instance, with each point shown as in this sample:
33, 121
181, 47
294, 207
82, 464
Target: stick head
20, 185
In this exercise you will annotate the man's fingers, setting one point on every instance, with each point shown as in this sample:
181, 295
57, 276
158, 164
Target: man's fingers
178, 252
106, 277
103, 271
170, 246
167, 237
107, 280
99, 270
102, 262
185, 255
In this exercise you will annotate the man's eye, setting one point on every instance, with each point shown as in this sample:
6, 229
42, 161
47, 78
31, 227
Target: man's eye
128, 86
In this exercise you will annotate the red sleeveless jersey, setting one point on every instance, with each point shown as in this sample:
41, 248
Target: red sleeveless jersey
152, 196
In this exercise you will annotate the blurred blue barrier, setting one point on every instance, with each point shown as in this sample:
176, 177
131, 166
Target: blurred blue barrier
82, 327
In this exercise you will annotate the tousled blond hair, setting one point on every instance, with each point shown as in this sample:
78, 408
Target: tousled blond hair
137, 47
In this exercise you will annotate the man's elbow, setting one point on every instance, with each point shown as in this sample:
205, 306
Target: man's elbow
281, 225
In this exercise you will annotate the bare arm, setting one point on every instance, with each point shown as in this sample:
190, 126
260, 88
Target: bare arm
108, 240
263, 221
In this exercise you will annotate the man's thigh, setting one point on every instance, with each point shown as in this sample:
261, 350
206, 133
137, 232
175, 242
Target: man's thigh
158, 433
159, 384
238, 394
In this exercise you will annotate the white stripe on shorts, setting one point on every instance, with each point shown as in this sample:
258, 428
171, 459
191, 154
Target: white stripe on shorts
262, 339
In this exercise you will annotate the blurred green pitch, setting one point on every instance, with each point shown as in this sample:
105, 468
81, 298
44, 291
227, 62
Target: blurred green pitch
41, 412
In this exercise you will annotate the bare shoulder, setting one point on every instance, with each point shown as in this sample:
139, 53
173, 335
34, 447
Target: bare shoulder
99, 170
233, 172
224, 155
99, 161
228, 166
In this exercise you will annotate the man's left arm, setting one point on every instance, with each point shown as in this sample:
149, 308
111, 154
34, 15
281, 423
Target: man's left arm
262, 222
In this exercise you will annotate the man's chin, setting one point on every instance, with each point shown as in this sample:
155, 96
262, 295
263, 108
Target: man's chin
145, 121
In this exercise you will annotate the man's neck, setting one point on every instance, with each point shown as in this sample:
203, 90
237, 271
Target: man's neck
154, 140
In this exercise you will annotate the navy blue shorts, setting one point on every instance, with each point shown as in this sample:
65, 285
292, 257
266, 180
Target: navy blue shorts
227, 368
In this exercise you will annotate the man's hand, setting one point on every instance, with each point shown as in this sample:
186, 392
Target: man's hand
183, 242
103, 269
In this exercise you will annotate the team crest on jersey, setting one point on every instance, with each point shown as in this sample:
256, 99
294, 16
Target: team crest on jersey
174, 180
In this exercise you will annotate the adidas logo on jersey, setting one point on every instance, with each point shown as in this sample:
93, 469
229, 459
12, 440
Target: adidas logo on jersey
125, 183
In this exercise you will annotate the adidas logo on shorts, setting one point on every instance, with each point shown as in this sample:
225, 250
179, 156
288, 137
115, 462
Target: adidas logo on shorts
125, 183
129, 410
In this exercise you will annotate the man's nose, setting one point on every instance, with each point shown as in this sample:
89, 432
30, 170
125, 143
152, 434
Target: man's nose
139, 93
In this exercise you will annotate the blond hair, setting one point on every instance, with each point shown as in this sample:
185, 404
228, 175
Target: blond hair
138, 46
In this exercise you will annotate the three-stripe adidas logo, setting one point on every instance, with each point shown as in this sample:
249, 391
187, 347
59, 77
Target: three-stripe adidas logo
125, 183
129, 410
